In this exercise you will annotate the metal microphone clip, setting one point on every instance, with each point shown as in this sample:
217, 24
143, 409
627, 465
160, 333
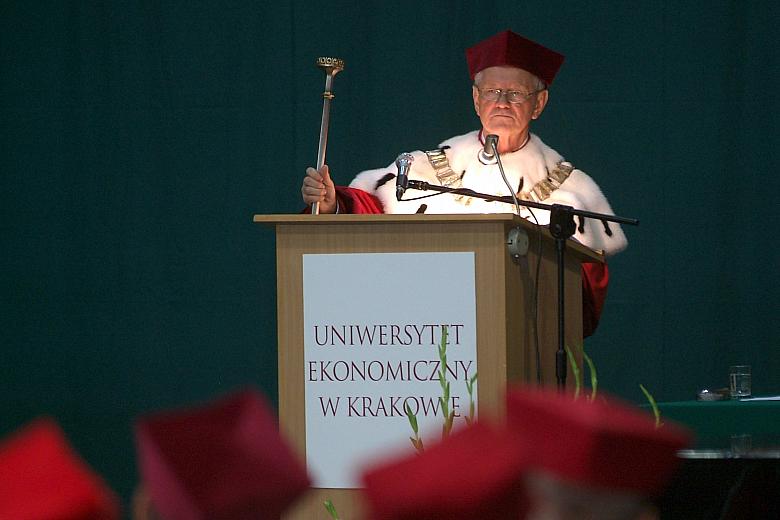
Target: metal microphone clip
487, 155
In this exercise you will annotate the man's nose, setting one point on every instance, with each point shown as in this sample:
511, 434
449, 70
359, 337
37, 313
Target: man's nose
502, 99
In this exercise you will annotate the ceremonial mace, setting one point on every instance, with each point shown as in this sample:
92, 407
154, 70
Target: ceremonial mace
331, 66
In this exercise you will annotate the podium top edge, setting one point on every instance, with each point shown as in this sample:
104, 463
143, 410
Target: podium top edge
508, 219
301, 218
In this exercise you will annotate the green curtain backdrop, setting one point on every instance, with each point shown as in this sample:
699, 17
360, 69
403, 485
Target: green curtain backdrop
139, 138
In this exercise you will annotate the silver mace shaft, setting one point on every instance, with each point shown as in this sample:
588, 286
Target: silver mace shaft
331, 66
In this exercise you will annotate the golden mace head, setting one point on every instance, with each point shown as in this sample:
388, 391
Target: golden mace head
331, 66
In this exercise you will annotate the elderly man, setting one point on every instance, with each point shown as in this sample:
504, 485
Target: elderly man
511, 76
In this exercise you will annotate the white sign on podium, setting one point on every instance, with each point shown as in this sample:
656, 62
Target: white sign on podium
373, 325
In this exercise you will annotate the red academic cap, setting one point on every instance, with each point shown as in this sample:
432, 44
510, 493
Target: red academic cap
508, 49
223, 461
42, 478
602, 444
474, 473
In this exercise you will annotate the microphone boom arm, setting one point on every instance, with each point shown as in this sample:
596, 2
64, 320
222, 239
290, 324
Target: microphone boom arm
425, 186
562, 227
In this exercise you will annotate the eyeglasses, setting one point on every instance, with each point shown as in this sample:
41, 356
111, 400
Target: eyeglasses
512, 96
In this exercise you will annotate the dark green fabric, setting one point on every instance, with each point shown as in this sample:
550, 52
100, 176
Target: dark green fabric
138, 138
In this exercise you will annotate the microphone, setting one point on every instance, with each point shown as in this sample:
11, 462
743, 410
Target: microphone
403, 163
488, 153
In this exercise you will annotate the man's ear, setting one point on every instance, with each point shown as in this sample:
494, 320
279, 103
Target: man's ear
541, 102
475, 96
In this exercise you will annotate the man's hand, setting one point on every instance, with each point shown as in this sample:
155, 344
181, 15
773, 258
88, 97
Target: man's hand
318, 187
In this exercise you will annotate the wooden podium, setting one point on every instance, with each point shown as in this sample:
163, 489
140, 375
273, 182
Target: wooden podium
504, 286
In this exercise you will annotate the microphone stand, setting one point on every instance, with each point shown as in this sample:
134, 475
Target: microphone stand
561, 227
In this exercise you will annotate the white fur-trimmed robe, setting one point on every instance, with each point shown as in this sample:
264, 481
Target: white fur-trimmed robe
532, 163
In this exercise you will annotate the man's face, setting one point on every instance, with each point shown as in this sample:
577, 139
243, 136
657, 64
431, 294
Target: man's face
508, 120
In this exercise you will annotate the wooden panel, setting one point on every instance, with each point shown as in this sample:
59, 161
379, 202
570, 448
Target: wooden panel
521, 286
504, 296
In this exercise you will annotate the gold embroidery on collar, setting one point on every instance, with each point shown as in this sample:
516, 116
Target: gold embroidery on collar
447, 177
544, 188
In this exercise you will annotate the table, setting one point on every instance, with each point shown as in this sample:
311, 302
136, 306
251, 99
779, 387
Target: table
717, 422
733, 469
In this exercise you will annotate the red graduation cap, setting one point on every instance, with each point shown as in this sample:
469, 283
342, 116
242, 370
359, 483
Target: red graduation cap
508, 49
42, 478
225, 461
601, 444
474, 473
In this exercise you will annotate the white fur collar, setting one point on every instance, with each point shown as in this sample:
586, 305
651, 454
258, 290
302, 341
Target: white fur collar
531, 163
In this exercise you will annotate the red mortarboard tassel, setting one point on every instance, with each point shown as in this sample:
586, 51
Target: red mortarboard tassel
224, 461
42, 478
508, 49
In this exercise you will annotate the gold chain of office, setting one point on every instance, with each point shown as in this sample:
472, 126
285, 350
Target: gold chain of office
538, 193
